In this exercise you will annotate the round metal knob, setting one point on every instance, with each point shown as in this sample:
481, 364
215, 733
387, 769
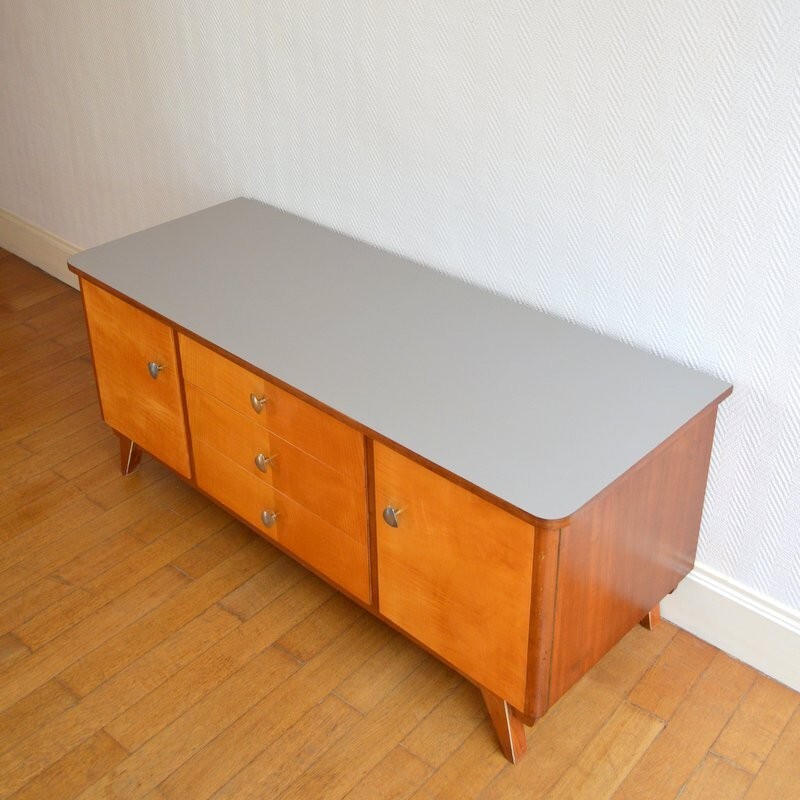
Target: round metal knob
257, 402
153, 367
390, 515
268, 518
263, 462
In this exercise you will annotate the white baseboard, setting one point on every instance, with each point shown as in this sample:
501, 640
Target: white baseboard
34, 244
739, 621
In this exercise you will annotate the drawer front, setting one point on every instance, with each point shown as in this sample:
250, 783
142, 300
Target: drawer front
313, 539
455, 573
145, 409
300, 423
331, 495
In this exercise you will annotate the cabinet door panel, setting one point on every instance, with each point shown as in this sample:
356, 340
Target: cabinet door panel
455, 573
149, 411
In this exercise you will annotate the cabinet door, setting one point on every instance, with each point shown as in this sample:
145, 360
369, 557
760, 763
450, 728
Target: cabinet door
146, 409
455, 573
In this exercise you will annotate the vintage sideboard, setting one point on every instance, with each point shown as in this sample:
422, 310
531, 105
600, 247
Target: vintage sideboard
511, 491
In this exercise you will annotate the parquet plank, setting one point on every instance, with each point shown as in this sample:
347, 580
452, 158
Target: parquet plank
59, 300
369, 684
250, 597
29, 672
276, 713
79, 768
119, 578
100, 455
283, 761
608, 758
447, 727
25, 289
54, 544
153, 713
37, 352
24, 415
204, 556
123, 487
73, 516
780, 775
394, 778
670, 761
39, 509
10, 455
94, 561
47, 437
26, 489
66, 731
20, 607
758, 722
192, 599
21, 391
151, 763
662, 689
344, 765
33, 711
11, 650
311, 636
717, 779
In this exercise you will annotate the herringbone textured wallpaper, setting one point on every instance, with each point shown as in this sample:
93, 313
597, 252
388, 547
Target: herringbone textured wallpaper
632, 165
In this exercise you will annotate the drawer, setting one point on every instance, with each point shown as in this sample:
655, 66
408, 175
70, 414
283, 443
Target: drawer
147, 410
314, 484
456, 572
300, 423
314, 540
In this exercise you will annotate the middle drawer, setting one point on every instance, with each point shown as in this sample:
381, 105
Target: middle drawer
329, 493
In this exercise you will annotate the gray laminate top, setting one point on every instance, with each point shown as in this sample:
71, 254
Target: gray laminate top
542, 413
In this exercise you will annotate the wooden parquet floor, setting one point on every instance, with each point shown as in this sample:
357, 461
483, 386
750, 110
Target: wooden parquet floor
152, 647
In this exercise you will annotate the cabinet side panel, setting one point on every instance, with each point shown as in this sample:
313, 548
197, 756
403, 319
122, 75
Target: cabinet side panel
627, 549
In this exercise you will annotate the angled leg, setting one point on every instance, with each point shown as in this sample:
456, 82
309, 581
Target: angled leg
652, 618
509, 728
130, 454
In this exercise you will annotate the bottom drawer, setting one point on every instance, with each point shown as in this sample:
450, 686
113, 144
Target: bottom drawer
322, 546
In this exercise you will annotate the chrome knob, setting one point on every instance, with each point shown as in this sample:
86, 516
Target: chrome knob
153, 367
263, 462
390, 515
257, 402
268, 518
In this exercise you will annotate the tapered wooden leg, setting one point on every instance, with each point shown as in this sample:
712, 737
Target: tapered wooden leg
509, 728
130, 454
652, 619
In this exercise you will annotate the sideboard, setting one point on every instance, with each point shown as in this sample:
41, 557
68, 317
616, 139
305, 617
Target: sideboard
511, 491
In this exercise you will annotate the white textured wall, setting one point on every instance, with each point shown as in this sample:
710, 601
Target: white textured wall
632, 164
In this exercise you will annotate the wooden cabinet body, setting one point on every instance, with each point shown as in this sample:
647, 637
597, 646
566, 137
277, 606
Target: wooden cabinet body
522, 604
